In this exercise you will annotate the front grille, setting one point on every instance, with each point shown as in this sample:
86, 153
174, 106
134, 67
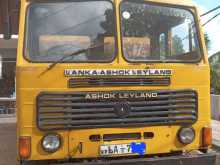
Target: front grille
80, 110
97, 82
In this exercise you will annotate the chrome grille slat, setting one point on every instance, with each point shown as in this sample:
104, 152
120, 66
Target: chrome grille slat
111, 115
83, 110
81, 116
97, 104
140, 103
72, 110
162, 107
145, 103
117, 121
141, 114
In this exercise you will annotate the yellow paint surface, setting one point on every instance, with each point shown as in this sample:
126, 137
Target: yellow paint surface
30, 83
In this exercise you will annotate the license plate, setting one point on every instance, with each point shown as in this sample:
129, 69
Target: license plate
122, 149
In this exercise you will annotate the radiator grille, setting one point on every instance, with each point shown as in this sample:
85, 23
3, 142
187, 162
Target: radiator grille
75, 111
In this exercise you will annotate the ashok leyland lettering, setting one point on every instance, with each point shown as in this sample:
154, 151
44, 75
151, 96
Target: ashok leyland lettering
112, 82
123, 95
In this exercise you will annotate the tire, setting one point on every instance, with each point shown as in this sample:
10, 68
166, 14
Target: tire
28, 163
33, 163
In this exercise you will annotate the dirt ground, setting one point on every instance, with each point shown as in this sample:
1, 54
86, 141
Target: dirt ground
8, 145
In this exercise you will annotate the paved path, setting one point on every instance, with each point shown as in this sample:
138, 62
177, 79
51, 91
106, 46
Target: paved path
216, 132
8, 143
7, 119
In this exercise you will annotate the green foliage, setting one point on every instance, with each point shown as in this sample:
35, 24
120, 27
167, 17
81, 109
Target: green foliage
215, 80
207, 41
215, 67
177, 46
215, 72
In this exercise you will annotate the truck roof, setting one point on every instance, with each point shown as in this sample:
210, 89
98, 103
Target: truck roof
177, 2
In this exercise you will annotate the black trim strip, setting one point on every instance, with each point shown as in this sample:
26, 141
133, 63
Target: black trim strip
100, 82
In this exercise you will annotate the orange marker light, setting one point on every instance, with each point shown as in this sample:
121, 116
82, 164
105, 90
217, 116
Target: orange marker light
24, 147
207, 136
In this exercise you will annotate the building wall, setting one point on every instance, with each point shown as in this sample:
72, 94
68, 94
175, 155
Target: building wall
8, 63
215, 104
9, 16
0, 67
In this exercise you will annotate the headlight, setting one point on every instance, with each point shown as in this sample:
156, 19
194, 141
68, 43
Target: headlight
186, 135
51, 143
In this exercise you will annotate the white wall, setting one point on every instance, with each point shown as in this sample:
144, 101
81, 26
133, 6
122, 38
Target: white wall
8, 44
0, 67
215, 105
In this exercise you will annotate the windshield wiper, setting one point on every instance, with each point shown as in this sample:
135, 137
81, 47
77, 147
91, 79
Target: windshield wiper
51, 66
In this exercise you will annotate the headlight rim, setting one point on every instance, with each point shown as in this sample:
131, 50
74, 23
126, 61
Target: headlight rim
52, 134
179, 135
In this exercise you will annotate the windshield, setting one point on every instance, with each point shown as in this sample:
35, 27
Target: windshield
58, 29
158, 33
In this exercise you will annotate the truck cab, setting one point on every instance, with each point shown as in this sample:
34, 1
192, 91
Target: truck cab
112, 82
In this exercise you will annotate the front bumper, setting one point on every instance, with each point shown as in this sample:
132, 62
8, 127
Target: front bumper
203, 159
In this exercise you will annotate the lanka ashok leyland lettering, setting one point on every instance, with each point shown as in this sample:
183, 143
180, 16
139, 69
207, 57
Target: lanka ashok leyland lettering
116, 72
112, 82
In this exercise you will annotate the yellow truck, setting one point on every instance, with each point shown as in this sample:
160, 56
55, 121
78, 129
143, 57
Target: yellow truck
112, 82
